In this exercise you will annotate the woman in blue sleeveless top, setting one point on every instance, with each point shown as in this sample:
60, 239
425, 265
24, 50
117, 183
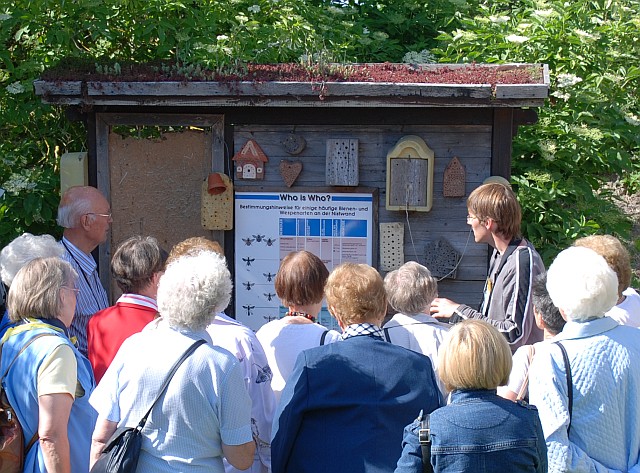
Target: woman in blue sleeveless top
49, 382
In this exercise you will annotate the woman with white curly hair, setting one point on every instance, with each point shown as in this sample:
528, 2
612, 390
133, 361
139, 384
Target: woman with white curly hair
205, 412
586, 385
17, 254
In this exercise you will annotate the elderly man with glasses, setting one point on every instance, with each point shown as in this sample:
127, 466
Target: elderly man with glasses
85, 215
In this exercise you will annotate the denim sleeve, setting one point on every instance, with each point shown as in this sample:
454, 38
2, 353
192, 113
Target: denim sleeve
541, 446
411, 459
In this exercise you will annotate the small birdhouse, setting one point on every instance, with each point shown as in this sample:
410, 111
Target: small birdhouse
455, 178
410, 175
250, 161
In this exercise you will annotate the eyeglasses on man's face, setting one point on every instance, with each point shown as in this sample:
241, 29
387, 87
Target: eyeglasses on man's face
470, 218
100, 215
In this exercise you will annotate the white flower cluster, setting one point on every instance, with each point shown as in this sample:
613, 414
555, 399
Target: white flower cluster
567, 80
586, 35
15, 88
422, 57
498, 19
254, 8
548, 149
546, 13
632, 119
514, 38
17, 183
4, 16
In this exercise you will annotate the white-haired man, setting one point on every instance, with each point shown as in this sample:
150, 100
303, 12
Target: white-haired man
85, 215
589, 402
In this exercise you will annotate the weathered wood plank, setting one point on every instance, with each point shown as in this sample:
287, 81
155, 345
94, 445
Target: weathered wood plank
522, 91
287, 89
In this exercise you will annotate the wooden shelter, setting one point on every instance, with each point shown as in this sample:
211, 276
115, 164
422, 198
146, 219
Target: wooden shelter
320, 142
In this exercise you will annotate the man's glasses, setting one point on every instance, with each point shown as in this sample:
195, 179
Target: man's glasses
99, 215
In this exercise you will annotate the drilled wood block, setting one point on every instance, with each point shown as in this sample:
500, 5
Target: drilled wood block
342, 162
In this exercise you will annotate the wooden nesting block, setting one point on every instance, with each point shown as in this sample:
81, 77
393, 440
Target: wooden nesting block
216, 211
455, 179
442, 259
342, 162
391, 246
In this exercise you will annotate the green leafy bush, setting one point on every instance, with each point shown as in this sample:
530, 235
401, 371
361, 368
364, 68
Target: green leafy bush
589, 131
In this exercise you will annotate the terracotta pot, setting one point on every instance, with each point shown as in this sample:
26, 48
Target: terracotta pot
215, 184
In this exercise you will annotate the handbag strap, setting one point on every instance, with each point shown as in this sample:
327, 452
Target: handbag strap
173, 370
524, 389
35, 436
567, 369
424, 435
29, 342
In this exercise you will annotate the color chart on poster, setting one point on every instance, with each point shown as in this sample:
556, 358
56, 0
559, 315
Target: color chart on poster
269, 225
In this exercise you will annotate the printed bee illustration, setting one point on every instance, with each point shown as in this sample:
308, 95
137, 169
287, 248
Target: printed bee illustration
269, 241
258, 238
249, 285
248, 260
249, 309
269, 296
264, 374
269, 276
248, 241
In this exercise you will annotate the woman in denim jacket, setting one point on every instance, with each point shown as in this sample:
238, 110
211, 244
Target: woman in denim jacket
478, 431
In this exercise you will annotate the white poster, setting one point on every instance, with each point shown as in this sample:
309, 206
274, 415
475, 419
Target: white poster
269, 225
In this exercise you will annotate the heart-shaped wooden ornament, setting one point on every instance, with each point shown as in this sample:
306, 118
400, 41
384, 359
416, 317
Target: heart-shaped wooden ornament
290, 170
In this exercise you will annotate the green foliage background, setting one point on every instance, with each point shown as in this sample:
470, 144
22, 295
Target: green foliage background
587, 134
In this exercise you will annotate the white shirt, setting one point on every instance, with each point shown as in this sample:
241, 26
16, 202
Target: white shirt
242, 343
628, 311
520, 369
205, 404
283, 340
420, 333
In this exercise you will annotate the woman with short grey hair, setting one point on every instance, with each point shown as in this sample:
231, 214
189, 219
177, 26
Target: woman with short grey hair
410, 290
50, 382
205, 412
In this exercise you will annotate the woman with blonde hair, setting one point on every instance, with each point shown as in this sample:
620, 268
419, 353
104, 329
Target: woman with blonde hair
478, 431
47, 380
344, 405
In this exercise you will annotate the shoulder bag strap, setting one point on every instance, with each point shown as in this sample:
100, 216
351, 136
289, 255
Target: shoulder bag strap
567, 368
424, 435
323, 337
33, 339
386, 334
173, 370
524, 389
35, 436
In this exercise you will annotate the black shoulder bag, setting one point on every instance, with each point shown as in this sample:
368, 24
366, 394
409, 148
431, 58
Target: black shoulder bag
424, 435
120, 455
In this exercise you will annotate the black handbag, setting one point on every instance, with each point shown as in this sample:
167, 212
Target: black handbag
120, 454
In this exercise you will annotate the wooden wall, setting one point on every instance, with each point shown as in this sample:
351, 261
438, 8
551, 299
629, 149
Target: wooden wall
470, 143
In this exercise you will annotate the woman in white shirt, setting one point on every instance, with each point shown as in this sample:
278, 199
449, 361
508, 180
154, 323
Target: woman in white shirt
300, 286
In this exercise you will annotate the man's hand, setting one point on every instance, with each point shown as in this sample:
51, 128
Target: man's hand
442, 308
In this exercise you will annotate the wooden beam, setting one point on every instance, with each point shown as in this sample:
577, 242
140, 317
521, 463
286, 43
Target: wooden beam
501, 142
